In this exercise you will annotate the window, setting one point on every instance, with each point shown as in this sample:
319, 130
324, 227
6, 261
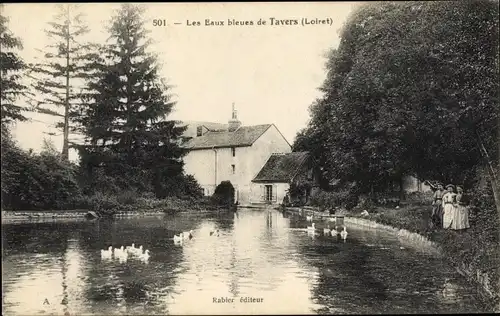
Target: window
269, 193
233, 169
233, 151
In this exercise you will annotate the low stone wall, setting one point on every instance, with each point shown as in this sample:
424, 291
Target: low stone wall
483, 280
139, 213
404, 235
13, 215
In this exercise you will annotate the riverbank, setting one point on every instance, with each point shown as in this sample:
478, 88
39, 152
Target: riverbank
47, 215
473, 252
103, 208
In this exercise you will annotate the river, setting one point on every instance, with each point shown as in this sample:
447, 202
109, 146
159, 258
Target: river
262, 261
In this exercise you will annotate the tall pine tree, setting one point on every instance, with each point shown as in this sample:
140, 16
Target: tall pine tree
127, 134
11, 67
67, 63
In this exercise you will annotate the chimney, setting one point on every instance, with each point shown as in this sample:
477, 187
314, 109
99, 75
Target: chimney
234, 124
199, 130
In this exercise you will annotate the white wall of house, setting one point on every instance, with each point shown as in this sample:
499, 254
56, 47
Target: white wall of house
270, 142
247, 163
258, 192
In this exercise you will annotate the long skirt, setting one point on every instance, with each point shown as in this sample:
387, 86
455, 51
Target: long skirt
437, 215
460, 218
448, 215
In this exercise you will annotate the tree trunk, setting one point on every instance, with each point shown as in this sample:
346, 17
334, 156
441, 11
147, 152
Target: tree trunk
496, 186
65, 149
493, 175
401, 189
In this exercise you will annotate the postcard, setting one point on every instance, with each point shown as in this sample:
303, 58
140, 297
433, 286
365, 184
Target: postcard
250, 158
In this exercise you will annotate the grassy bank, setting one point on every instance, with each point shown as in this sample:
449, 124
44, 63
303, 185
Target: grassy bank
475, 252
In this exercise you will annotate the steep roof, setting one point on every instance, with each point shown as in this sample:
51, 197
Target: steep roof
191, 127
282, 167
243, 136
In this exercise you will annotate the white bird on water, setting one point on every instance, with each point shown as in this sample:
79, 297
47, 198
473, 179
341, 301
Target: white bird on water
144, 256
311, 228
118, 251
107, 253
130, 249
343, 233
335, 231
123, 256
138, 251
326, 231
179, 238
188, 235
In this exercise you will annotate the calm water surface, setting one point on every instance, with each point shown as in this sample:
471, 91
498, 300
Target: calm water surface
56, 268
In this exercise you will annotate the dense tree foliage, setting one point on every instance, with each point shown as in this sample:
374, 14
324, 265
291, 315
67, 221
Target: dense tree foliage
128, 136
111, 93
11, 67
67, 62
37, 181
411, 89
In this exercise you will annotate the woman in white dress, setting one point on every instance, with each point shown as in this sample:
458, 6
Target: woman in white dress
449, 208
461, 218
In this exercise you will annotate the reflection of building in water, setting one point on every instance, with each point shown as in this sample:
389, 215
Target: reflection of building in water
233, 272
250, 259
269, 219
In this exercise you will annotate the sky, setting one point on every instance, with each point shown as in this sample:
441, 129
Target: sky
271, 72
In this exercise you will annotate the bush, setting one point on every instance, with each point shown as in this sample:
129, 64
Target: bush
190, 187
101, 203
419, 198
180, 185
364, 203
224, 194
128, 197
329, 200
37, 181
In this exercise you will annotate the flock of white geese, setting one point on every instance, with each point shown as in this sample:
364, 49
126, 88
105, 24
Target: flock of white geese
123, 253
327, 230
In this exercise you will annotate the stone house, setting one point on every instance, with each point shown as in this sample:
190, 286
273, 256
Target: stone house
230, 152
283, 170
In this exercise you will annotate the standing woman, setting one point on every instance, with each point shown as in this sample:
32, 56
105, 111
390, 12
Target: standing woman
461, 219
437, 209
449, 206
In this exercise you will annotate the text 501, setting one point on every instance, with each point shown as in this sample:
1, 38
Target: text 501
157, 22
